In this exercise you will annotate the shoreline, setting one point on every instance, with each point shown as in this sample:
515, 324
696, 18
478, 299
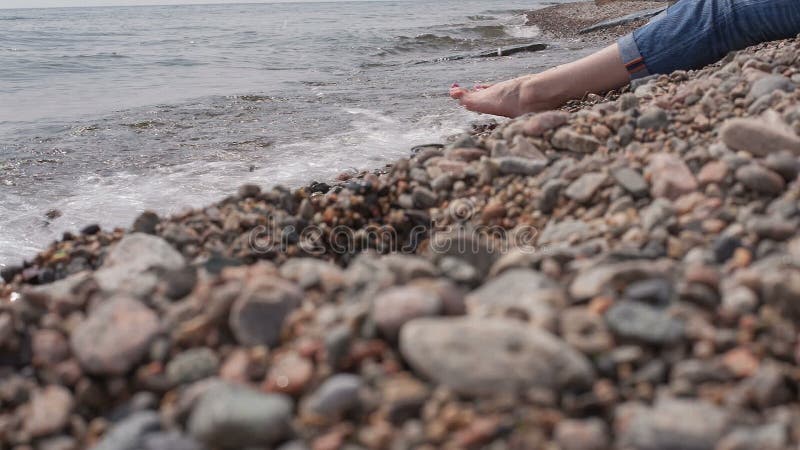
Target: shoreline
564, 21
643, 244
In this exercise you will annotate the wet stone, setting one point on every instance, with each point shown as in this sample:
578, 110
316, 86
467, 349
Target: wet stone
146, 223
248, 190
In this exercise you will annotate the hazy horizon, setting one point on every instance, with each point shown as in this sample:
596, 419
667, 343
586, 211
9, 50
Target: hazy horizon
26, 4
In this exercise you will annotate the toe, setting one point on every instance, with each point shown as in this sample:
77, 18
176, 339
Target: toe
457, 92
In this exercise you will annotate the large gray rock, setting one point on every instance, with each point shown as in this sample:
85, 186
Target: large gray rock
127, 267
769, 84
490, 356
519, 290
232, 417
114, 337
760, 136
257, 316
129, 434
642, 323
671, 424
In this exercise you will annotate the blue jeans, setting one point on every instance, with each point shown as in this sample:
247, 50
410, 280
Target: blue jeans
694, 33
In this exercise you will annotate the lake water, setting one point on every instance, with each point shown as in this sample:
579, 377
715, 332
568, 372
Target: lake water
106, 112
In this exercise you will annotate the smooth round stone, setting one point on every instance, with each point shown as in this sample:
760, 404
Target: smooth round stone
769, 84
760, 179
48, 411
783, 163
115, 336
631, 180
490, 356
670, 177
670, 423
192, 365
257, 316
233, 417
760, 136
655, 291
336, 396
393, 308
129, 434
642, 323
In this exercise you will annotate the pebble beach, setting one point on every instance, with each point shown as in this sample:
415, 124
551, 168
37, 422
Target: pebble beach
622, 273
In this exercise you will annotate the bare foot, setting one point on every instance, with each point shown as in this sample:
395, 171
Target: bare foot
599, 72
510, 98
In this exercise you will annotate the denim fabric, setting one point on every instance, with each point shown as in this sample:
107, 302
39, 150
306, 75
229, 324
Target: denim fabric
694, 33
